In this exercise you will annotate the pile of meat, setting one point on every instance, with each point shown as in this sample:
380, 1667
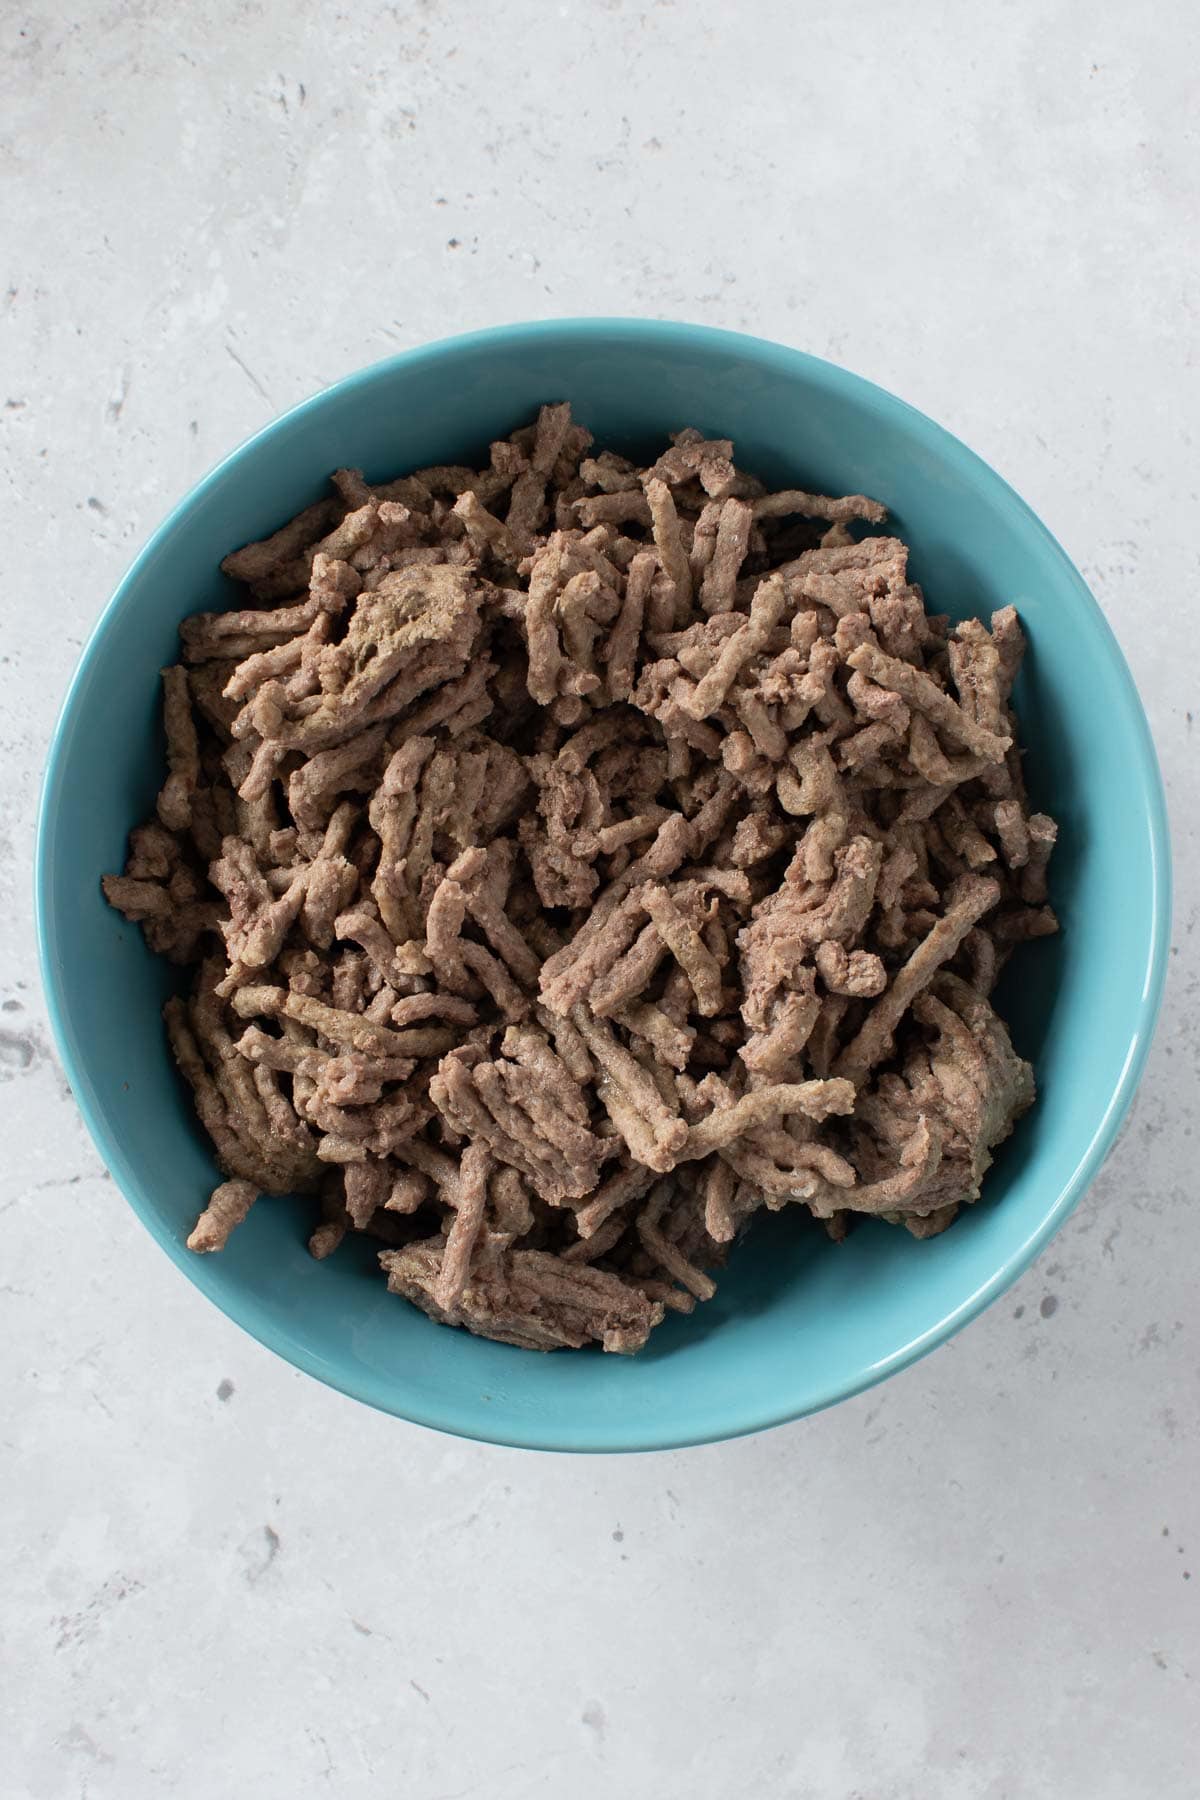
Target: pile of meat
575, 858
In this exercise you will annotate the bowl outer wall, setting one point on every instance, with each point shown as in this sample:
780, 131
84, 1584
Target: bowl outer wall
796, 1325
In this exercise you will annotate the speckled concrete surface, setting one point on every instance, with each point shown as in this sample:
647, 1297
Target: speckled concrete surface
980, 1582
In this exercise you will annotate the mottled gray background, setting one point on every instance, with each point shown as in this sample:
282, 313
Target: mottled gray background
979, 1582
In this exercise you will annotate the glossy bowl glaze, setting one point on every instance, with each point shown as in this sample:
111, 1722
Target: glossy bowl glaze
797, 1323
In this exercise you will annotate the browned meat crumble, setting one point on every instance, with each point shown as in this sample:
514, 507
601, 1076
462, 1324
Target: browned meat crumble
573, 859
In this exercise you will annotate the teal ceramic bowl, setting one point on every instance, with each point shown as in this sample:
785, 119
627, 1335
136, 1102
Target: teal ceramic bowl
797, 1323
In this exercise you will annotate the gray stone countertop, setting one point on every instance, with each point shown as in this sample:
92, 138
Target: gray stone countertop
978, 1582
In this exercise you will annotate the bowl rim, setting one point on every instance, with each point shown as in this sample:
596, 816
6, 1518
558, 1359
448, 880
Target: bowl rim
722, 1421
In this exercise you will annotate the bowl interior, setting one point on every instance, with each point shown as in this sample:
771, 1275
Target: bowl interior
797, 1323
